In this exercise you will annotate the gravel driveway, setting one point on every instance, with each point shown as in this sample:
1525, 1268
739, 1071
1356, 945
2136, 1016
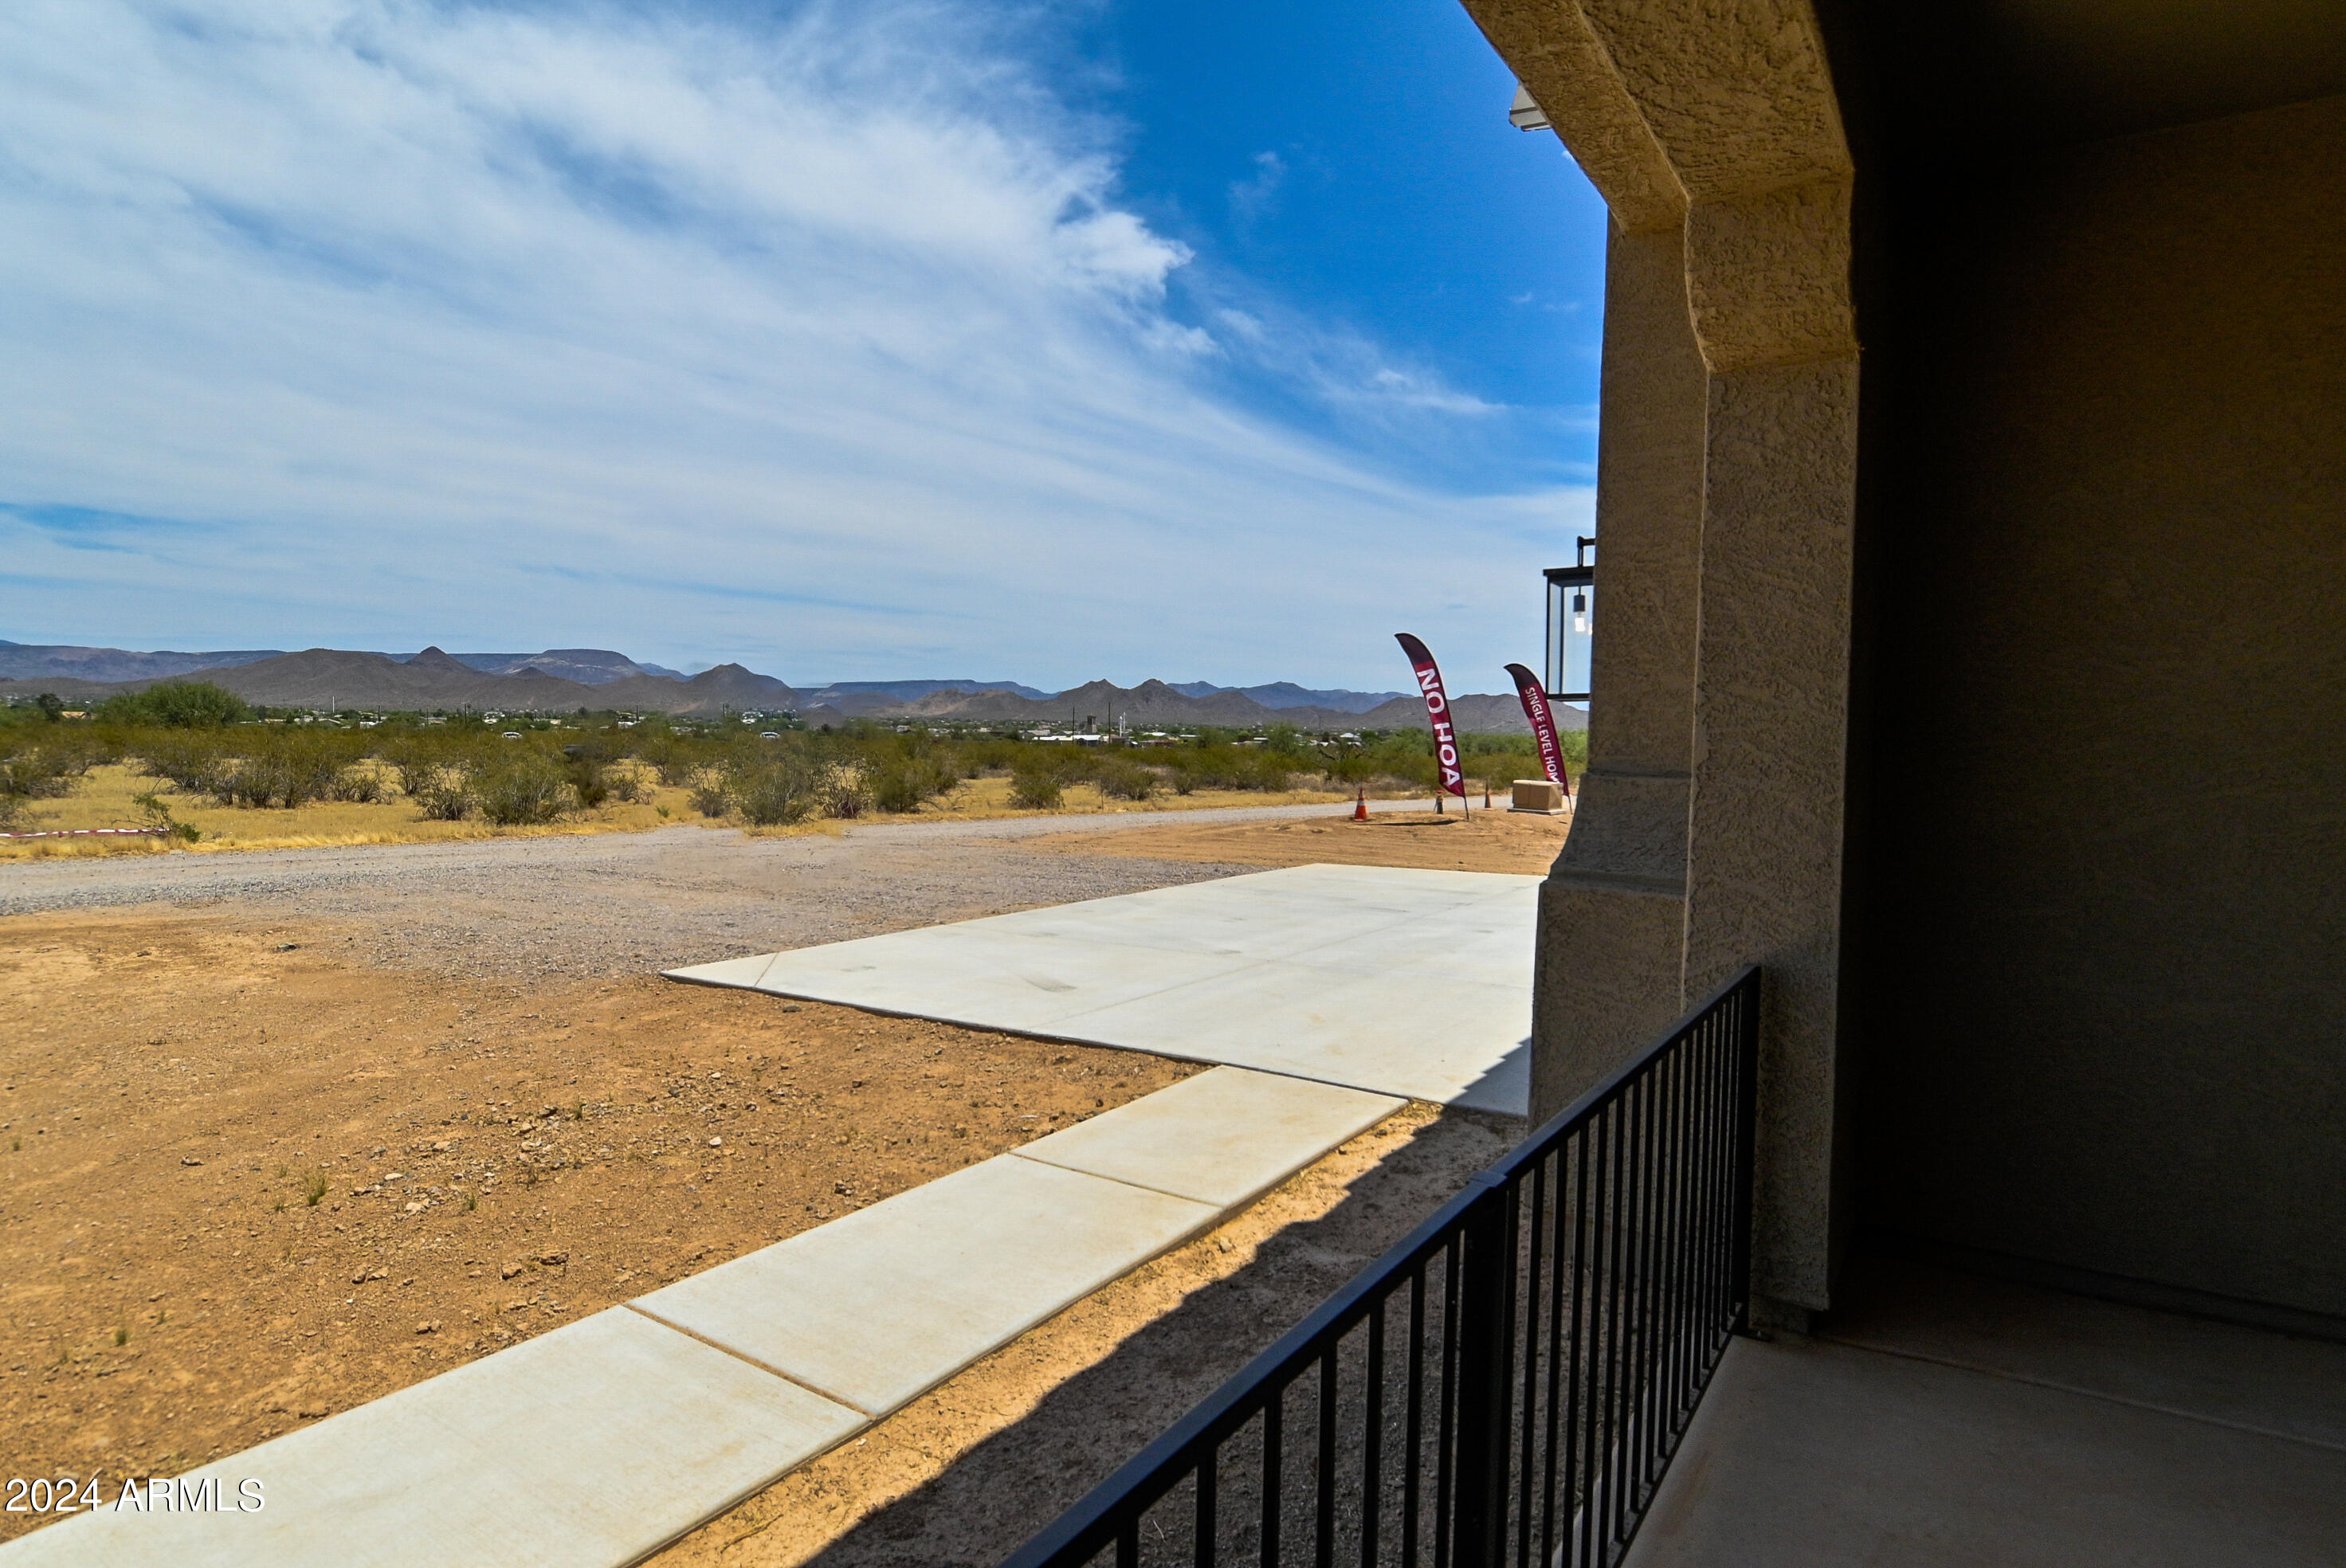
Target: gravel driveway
612, 903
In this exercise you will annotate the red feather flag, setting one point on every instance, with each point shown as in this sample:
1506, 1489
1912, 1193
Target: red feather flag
1437, 712
1535, 708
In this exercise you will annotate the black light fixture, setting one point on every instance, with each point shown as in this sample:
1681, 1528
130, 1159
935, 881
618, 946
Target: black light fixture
1571, 623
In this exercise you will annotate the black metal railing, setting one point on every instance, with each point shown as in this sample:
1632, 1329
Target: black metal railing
1508, 1384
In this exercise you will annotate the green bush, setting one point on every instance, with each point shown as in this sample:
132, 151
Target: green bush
36, 769
1035, 791
710, 796
1125, 780
176, 705
902, 783
287, 768
588, 783
523, 790
773, 791
193, 763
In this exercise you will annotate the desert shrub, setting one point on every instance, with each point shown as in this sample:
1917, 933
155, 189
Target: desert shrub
771, 790
176, 705
1265, 770
588, 782
1226, 767
287, 768
902, 783
1126, 780
193, 763
711, 794
845, 795
994, 754
446, 799
522, 790
360, 783
419, 761
157, 813
626, 782
1036, 790
36, 771
677, 759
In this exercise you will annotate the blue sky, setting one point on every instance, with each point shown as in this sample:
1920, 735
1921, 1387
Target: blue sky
1204, 340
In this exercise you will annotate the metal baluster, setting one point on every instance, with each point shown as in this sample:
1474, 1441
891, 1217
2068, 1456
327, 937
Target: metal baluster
1559, 1259
1323, 1534
1273, 1419
1414, 1433
1616, 1257
1372, 1481
1445, 1442
1525, 1462
1600, 1294
1747, 1001
1209, 1479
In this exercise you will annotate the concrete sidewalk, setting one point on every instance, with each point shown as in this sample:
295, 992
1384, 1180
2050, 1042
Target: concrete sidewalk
597, 1443
1412, 983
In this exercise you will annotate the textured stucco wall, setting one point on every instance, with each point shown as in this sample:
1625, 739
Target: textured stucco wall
2105, 971
1613, 910
1726, 482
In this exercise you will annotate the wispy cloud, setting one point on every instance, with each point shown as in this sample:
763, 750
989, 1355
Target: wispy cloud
766, 331
1257, 196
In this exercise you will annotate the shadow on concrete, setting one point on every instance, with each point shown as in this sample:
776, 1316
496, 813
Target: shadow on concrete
1002, 1490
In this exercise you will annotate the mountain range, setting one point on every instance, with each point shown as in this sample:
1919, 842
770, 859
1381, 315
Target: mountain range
565, 679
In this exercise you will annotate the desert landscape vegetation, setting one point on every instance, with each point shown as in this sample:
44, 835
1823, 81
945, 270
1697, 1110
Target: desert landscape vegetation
194, 767
359, 1066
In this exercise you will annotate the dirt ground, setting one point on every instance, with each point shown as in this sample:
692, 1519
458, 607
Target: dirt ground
1497, 840
489, 1161
495, 1150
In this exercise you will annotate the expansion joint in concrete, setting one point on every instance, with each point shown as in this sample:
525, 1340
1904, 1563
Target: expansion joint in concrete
2081, 1390
640, 1310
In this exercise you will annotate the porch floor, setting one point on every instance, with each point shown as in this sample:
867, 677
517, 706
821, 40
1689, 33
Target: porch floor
1944, 1419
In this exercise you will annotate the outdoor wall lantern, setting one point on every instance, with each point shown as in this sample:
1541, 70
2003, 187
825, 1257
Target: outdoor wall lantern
1571, 623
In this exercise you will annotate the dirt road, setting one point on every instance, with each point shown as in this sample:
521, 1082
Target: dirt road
634, 903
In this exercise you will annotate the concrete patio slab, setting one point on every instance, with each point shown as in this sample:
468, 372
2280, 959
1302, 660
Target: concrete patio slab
742, 973
877, 1307
1806, 1454
1223, 1138
589, 1446
2220, 1372
1412, 983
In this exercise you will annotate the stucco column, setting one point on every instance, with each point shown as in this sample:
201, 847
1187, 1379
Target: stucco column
1768, 279
1613, 910
1715, 135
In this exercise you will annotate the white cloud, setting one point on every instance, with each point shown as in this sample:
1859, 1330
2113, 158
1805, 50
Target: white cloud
1258, 196
822, 342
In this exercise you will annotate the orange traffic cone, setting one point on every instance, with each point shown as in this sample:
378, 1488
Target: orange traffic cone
1360, 806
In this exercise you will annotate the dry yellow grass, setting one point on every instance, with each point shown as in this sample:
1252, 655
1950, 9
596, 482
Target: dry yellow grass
106, 799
